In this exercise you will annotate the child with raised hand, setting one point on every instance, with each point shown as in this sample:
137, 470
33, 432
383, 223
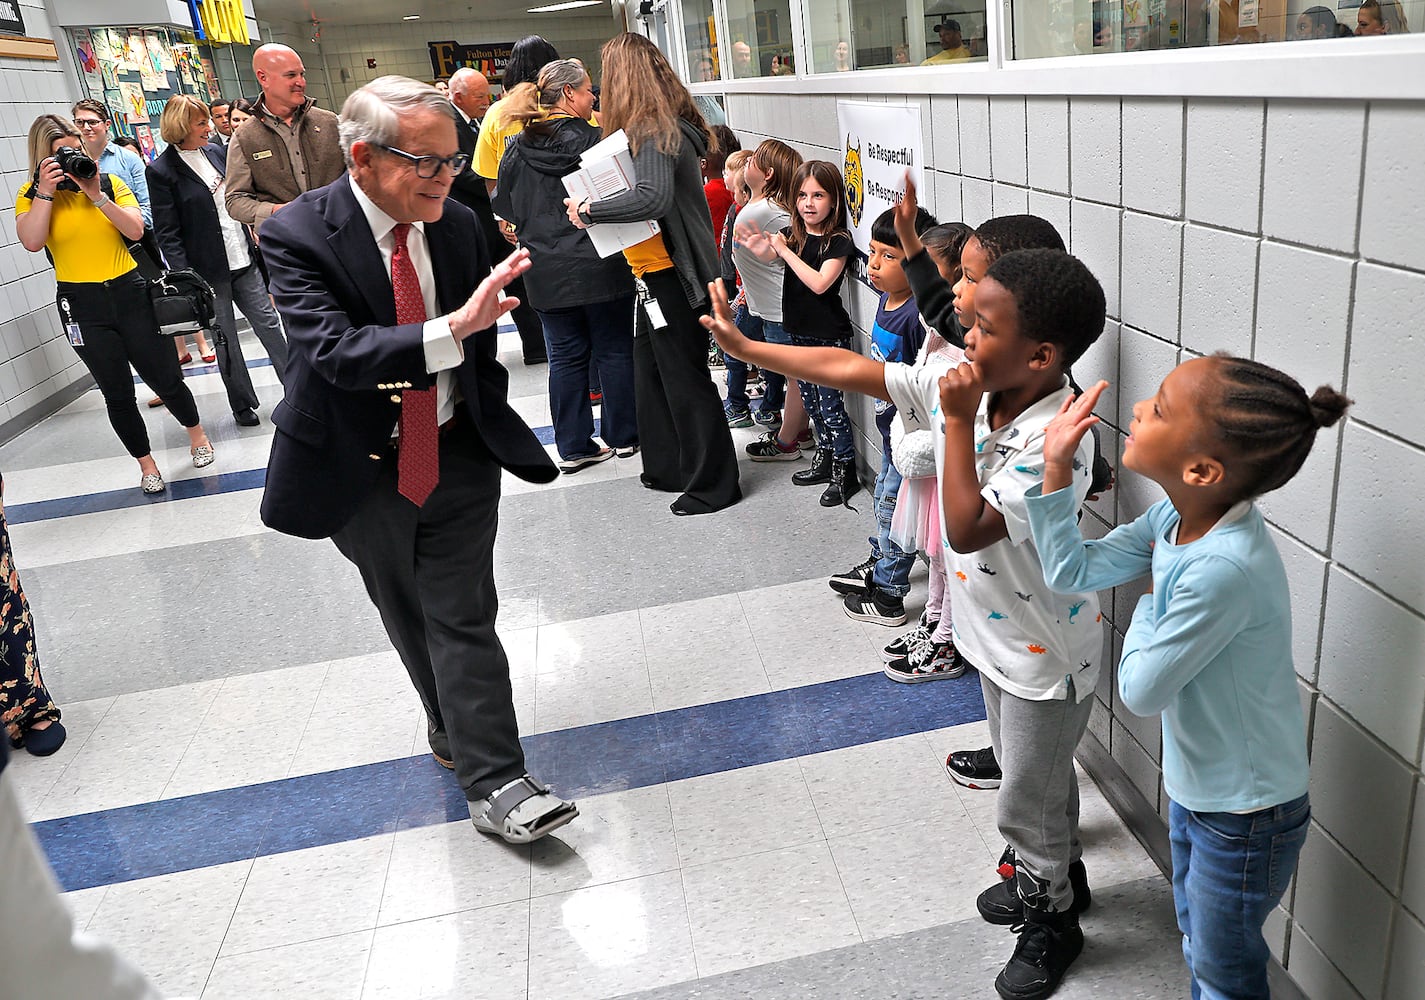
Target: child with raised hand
768, 173
1037, 651
1209, 645
814, 253
737, 405
926, 652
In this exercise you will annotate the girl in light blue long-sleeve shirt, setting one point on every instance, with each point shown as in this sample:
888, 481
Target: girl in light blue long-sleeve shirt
1210, 643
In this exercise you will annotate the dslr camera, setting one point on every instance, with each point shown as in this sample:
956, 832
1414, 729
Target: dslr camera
74, 162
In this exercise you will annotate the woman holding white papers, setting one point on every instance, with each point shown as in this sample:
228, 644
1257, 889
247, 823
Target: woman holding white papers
687, 447
585, 303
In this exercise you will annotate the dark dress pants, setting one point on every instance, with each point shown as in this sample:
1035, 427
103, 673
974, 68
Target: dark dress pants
686, 443
430, 573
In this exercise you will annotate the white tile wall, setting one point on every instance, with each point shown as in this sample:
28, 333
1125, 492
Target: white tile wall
1385, 478
1314, 973
1302, 133
1413, 892
1095, 148
1047, 127
1391, 225
1153, 155
1152, 273
1406, 980
1094, 239
1370, 662
1010, 200
1306, 575
1219, 288
1224, 163
977, 201
1344, 910
1008, 147
974, 121
1303, 301
945, 134
1303, 506
1387, 349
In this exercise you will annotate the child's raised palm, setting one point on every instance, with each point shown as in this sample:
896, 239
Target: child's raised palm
1063, 434
757, 242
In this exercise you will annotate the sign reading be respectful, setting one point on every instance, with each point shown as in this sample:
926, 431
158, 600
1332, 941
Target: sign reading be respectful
880, 142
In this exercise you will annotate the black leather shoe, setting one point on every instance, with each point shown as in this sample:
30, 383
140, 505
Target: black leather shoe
246, 417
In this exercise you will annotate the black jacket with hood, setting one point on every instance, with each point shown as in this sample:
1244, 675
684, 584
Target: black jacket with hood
565, 270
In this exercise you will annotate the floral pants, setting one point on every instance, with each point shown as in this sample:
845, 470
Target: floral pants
23, 698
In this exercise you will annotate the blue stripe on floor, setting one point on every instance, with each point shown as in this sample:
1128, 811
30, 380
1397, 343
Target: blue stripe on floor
178, 489
213, 368
198, 831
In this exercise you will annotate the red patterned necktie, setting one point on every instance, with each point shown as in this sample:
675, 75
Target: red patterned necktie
418, 455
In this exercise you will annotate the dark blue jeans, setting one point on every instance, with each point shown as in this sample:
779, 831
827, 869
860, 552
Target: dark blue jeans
827, 408
751, 327
891, 574
601, 333
1229, 871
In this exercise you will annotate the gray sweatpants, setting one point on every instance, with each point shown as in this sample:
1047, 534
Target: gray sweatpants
1034, 743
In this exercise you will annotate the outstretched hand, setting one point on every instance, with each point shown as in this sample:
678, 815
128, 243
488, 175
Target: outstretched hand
1063, 434
960, 390
485, 306
905, 212
757, 243
720, 323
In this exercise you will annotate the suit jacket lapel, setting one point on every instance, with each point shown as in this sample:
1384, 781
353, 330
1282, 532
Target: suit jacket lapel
356, 252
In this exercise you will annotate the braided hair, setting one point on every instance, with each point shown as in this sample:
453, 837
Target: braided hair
1267, 422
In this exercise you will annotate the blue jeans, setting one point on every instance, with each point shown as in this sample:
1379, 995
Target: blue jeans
827, 408
591, 342
891, 574
1229, 870
751, 328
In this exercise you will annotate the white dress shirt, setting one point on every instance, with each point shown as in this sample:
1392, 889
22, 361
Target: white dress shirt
443, 352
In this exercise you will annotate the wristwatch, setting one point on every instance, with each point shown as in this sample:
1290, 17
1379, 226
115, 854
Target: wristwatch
39, 196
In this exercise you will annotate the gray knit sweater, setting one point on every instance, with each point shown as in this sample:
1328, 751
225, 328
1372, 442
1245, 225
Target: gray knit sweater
670, 190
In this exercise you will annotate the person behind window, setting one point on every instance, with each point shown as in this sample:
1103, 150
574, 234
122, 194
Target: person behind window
742, 61
103, 301
952, 44
1316, 22
902, 56
1381, 17
842, 55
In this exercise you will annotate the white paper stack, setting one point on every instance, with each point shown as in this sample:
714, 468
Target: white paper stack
605, 170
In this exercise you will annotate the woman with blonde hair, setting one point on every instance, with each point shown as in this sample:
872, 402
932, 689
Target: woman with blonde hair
584, 302
1381, 17
687, 446
191, 221
103, 302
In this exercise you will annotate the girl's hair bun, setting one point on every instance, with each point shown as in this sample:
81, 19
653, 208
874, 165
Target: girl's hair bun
1328, 406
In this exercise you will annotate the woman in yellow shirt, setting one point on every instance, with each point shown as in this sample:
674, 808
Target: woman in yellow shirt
103, 302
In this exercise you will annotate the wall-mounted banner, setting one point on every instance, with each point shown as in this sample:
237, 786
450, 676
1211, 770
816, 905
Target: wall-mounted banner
12, 21
490, 59
879, 143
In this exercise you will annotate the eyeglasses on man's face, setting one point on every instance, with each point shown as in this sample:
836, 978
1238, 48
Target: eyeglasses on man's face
429, 166
87, 123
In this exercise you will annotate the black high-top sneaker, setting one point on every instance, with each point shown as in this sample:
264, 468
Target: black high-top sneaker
820, 471
1049, 941
1000, 903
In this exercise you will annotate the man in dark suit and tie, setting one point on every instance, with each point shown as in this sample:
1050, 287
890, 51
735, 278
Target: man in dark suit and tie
470, 93
395, 425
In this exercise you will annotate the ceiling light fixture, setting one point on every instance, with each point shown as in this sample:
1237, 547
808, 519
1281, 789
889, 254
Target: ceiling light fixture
551, 8
411, 17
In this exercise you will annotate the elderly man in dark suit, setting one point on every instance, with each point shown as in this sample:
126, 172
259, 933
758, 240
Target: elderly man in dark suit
470, 94
395, 426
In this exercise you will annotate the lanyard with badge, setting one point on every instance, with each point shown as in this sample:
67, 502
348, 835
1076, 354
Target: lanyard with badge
651, 308
71, 328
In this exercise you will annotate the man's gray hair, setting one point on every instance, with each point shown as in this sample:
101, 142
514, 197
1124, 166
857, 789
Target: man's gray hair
461, 79
373, 113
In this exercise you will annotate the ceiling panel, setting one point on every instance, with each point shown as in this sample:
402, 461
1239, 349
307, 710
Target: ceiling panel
344, 12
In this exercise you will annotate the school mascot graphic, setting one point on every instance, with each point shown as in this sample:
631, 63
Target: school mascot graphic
855, 183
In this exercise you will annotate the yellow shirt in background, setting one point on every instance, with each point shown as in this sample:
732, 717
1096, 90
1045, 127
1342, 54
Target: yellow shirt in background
648, 256
495, 135
84, 244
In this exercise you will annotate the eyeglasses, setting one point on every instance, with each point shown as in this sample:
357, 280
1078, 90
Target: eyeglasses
429, 166
89, 123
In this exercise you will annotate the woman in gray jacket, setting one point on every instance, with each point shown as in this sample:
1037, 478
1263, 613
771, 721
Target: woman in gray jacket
687, 447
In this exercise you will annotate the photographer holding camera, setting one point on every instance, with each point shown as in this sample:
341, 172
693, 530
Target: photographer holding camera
104, 307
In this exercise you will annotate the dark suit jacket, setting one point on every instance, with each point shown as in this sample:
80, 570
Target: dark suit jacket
349, 359
185, 217
469, 189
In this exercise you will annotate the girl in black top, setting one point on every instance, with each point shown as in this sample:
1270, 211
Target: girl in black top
814, 251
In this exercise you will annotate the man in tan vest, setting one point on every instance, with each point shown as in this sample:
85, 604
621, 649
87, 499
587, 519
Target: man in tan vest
294, 147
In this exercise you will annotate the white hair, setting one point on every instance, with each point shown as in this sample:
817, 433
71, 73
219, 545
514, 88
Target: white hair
461, 79
373, 113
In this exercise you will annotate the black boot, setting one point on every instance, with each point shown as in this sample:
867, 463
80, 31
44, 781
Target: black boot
820, 471
1049, 941
844, 484
1000, 903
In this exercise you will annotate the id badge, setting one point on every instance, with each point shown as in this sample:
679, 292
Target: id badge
71, 328
654, 312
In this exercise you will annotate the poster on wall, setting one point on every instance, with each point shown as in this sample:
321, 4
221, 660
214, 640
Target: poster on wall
490, 59
144, 135
87, 61
134, 103
210, 75
880, 142
133, 55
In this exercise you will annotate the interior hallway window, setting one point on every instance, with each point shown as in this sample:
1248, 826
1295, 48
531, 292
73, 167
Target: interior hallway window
759, 41
700, 41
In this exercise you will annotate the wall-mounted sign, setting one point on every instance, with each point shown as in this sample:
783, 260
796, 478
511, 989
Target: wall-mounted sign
447, 57
12, 22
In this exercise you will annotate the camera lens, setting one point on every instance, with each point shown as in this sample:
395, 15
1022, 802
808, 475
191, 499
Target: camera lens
75, 162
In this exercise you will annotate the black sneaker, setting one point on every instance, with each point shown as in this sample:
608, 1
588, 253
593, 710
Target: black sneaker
903, 644
1048, 945
1000, 903
856, 580
768, 448
928, 661
975, 768
875, 606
